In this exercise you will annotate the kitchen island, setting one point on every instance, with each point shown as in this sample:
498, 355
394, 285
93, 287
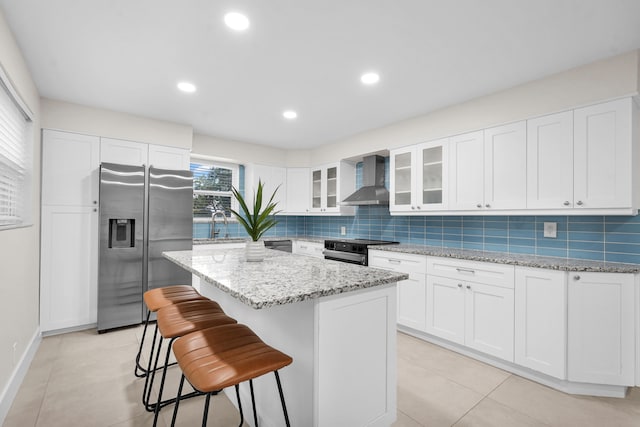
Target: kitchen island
337, 321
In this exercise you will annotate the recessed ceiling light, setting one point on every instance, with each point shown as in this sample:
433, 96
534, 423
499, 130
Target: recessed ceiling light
370, 78
236, 21
187, 87
290, 114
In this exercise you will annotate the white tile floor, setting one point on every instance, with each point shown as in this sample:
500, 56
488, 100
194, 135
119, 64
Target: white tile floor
86, 379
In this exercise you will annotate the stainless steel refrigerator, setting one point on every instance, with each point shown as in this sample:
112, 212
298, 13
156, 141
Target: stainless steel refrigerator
143, 212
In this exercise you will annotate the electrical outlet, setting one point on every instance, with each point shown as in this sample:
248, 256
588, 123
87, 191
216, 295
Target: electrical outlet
551, 229
343, 231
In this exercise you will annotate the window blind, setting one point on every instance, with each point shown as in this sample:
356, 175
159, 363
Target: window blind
15, 158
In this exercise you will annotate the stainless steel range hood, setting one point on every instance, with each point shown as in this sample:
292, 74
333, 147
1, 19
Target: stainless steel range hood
373, 191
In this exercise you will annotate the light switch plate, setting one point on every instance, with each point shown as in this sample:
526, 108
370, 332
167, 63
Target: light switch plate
343, 231
551, 229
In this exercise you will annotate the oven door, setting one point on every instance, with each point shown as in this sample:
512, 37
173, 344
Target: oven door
349, 257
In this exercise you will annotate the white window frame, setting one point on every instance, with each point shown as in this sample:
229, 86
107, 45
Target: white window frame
20, 211
235, 181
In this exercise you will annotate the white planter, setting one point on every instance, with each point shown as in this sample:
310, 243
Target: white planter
254, 251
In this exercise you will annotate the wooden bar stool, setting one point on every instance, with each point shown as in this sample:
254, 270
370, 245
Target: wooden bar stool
173, 322
155, 299
216, 358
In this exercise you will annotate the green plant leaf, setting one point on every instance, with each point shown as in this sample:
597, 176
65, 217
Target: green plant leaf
258, 221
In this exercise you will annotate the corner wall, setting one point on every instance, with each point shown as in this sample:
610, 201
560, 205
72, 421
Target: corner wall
610, 78
77, 118
19, 248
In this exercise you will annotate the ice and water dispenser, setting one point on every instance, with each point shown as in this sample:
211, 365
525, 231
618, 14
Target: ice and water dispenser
122, 233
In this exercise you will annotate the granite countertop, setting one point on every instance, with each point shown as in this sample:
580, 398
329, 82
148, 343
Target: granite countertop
282, 278
551, 263
208, 241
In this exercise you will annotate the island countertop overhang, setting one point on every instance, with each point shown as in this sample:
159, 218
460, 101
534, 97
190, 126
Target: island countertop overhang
282, 278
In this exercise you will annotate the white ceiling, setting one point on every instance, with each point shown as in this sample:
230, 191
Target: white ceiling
306, 55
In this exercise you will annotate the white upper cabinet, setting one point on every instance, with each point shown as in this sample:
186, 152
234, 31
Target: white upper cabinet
466, 184
123, 152
488, 169
70, 169
329, 185
419, 177
505, 166
603, 155
273, 178
550, 161
297, 191
163, 157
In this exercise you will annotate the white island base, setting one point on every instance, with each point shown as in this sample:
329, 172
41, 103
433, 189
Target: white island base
344, 358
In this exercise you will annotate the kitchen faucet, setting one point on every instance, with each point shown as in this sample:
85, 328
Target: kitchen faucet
215, 232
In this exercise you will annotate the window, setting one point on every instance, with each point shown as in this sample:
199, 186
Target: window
212, 182
15, 157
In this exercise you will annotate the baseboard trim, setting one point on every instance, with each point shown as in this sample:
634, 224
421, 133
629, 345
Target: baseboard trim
17, 376
67, 330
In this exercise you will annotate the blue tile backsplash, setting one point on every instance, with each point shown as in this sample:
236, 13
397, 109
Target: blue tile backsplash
601, 238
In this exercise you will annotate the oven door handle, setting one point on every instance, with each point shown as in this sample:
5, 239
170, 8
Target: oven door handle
338, 255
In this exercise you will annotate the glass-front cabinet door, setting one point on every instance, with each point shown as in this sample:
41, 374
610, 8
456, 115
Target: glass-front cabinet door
419, 177
332, 187
316, 189
402, 180
432, 175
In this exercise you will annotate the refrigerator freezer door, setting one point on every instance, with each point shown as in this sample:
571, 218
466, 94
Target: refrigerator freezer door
120, 274
170, 225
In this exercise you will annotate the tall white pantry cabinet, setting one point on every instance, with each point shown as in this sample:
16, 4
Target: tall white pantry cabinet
70, 218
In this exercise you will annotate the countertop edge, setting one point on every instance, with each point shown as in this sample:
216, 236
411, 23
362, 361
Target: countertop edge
521, 260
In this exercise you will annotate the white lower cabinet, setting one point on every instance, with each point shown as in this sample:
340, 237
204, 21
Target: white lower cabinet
601, 320
69, 267
411, 292
313, 249
541, 320
468, 308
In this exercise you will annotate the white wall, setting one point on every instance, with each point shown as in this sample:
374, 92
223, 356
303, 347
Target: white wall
19, 248
610, 78
238, 152
96, 121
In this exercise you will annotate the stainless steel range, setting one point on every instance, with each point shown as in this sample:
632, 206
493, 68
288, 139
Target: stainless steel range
354, 251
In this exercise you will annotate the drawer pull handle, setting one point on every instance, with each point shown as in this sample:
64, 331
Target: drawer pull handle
395, 261
460, 285
468, 286
465, 270
576, 277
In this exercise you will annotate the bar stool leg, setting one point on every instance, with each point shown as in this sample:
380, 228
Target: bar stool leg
159, 403
175, 408
148, 381
206, 410
239, 404
148, 385
253, 404
139, 367
284, 406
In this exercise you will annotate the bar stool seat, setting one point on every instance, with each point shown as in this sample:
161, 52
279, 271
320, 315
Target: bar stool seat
155, 299
216, 358
173, 322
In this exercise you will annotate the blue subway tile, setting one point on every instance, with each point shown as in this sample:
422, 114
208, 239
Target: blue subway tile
522, 242
551, 252
626, 248
591, 255
623, 237
522, 249
493, 247
472, 245
551, 243
627, 258
433, 242
585, 236
581, 218
496, 240
621, 227
592, 227
586, 246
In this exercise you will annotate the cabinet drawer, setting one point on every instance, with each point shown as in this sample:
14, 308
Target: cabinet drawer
404, 263
472, 271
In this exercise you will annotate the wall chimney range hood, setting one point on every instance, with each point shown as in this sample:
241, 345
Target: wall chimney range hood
373, 191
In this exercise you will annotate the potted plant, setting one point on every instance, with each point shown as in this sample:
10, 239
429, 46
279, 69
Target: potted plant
256, 221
